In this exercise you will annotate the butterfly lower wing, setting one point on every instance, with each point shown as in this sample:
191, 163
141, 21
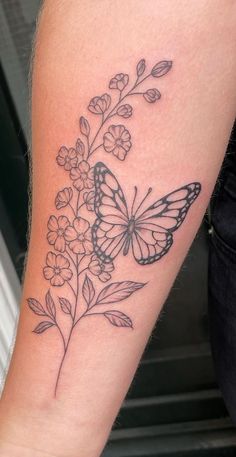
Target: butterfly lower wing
149, 246
109, 229
154, 226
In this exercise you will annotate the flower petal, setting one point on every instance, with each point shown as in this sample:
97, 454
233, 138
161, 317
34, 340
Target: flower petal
70, 234
104, 276
77, 247
63, 222
57, 280
60, 244
108, 142
66, 274
80, 225
51, 259
51, 237
84, 166
52, 223
62, 262
78, 184
48, 272
88, 246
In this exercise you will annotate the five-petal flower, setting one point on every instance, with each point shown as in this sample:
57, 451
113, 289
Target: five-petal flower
82, 176
117, 141
67, 158
57, 227
57, 269
100, 269
79, 236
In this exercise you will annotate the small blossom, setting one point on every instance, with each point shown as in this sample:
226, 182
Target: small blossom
57, 269
82, 176
141, 66
89, 198
57, 227
117, 141
151, 95
67, 158
125, 111
119, 81
100, 269
161, 68
79, 236
63, 197
84, 126
80, 149
98, 105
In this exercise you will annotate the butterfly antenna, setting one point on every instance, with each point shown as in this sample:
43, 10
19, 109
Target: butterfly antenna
135, 195
143, 200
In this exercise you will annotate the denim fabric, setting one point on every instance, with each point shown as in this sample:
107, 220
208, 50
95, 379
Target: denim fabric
222, 285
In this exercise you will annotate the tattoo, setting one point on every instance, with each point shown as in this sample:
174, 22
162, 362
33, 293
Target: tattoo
97, 224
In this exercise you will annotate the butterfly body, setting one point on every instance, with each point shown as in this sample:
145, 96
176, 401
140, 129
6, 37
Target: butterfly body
148, 231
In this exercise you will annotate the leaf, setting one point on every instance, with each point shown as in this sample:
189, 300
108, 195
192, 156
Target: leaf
118, 319
50, 305
117, 291
65, 305
161, 68
88, 290
84, 126
141, 67
36, 306
43, 326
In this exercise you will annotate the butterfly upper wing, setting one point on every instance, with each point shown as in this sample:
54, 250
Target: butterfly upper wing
109, 232
154, 226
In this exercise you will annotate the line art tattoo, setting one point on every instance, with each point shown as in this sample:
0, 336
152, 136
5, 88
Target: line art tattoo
97, 224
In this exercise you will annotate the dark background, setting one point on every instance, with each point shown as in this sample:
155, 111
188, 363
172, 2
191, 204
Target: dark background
174, 407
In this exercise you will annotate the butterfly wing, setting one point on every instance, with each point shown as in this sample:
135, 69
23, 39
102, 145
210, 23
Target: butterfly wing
154, 226
109, 232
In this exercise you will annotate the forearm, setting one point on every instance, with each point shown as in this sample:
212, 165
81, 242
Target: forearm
68, 378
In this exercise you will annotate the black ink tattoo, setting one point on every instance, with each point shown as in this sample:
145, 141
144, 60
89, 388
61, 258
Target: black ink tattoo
83, 250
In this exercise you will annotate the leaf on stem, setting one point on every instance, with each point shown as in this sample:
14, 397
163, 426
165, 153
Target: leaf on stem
84, 126
36, 306
161, 68
140, 67
88, 290
118, 319
65, 305
117, 291
50, 305
43, 326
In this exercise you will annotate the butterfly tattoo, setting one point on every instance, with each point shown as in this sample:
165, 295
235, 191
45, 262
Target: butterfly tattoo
148, 232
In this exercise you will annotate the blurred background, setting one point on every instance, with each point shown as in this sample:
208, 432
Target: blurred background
174, 407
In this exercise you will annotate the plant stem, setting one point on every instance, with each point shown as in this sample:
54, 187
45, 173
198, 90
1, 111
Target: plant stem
121, 99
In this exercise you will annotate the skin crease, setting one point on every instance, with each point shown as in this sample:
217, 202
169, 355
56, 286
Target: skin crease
180, 139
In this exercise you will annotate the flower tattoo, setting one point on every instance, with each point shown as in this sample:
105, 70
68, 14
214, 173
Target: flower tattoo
57, 269
95, 225
117, 141
79, 236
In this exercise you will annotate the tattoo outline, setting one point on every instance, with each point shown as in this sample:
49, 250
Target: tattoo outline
85, 250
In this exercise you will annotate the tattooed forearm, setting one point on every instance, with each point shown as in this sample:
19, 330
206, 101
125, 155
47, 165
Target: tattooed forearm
97, 224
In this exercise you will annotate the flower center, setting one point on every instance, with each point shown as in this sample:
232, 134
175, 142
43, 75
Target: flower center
57, 270
119, 142
60, 232
81, 237
83, 176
